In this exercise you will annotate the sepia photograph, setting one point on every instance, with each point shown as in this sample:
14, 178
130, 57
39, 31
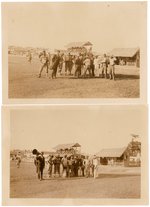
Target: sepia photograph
74, 50
76, 152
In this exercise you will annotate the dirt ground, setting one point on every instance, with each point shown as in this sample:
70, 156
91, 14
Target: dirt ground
24, 184
24, 83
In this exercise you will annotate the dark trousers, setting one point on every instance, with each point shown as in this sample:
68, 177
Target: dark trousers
68, 66
54, 72
40, 172
78, 71
76, 171
57, 169
50, 170
82, 168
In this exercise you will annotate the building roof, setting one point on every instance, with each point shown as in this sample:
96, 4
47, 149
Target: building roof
66, 146
78, 44
114, 152
124, 52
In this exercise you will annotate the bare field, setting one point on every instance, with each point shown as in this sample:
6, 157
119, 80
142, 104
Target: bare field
24, 184
24, 83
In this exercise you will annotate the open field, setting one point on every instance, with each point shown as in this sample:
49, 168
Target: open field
24, 83
24, 184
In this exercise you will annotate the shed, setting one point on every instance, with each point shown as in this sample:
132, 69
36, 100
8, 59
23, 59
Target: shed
127, 56
113, 154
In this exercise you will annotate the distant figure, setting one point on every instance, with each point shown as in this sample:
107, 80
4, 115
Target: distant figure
112, 61
40, 164
18, 160
29, 56
44, 59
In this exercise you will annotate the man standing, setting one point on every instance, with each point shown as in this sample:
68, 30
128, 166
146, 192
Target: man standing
29, 57
87, 63
50, 162
104, 66
18, 160
78, 66
57, 162
68, 64
40, 164
65, 166
55, 63
92, 67
95, 165
44, 59
112, 61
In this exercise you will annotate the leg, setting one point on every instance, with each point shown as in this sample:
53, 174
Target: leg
102, 71
42, 67
42, 173
110, 72
47, 69
105, 69
113, 72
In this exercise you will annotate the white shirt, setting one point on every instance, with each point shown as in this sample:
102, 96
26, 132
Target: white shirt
112, 61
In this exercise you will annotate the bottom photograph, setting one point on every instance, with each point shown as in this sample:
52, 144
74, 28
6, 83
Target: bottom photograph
87, 154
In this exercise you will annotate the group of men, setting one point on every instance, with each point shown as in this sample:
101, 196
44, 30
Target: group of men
81, 65
66, 166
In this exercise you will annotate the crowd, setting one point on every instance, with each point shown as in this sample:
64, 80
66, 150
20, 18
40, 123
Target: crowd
72, 166
81, 65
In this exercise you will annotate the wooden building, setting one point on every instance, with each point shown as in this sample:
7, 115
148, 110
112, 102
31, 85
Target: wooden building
127, 156
71, 148
79, 47
112, 156
127, 56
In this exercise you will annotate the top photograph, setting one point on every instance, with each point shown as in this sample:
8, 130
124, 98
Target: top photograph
93, 51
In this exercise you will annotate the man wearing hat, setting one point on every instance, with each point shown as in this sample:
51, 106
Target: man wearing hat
39, 163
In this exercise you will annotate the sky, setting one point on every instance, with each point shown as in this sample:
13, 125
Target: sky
54, 25
93, 127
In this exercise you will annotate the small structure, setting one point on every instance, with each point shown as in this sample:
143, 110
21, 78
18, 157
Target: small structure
127, 56
79, 47
112, 156
127, 156
72, 148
